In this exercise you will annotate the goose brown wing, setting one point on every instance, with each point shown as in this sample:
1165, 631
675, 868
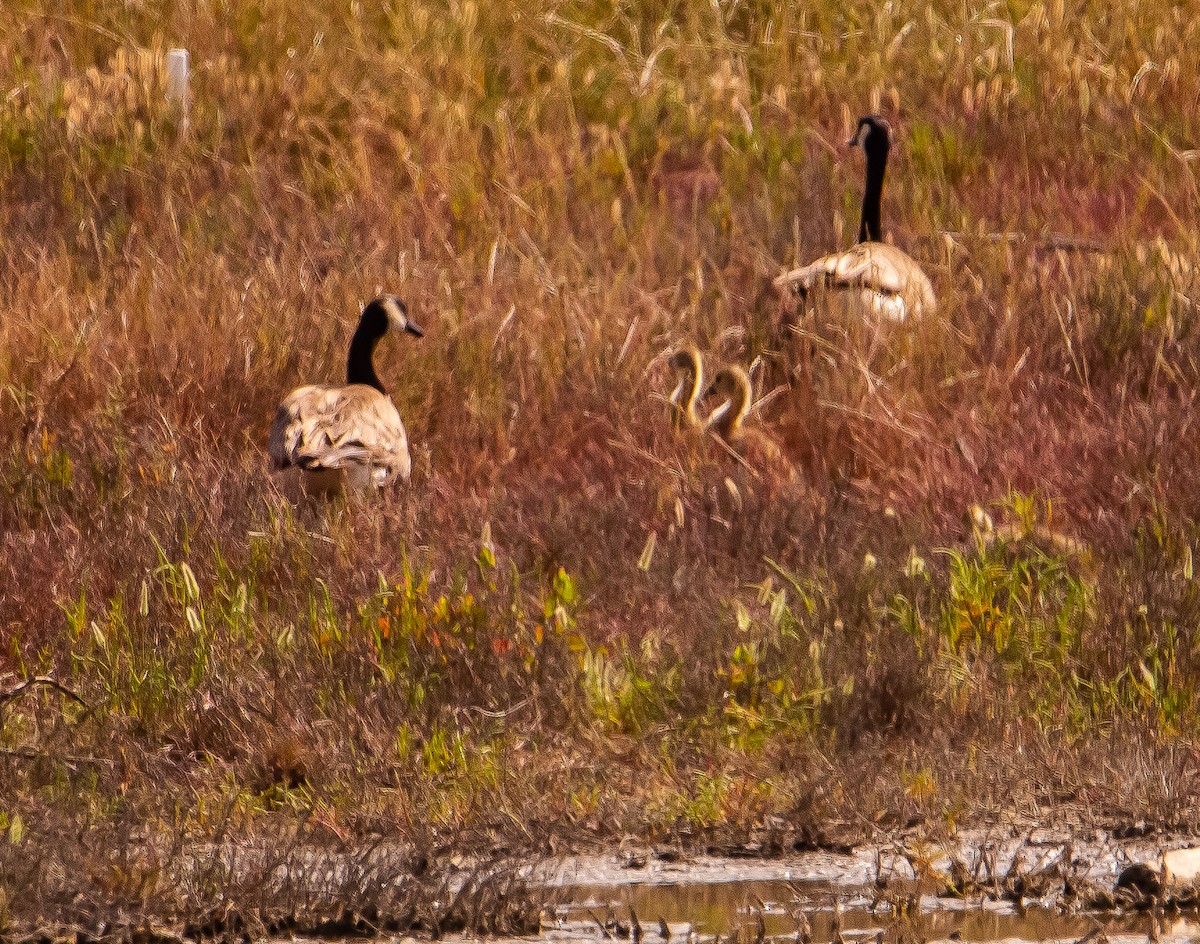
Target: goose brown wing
323, 427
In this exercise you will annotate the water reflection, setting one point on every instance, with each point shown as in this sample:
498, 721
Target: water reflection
709, 909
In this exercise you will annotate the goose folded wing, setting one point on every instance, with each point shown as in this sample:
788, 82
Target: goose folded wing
875, 266
857, 266
330, 427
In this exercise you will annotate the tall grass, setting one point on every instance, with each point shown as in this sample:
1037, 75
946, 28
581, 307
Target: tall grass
562, 192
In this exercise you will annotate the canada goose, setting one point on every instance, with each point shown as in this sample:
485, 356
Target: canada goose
685, 398
348, 435
758, 448
887, 281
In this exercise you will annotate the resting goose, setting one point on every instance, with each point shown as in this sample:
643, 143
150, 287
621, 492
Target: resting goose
760, 450
685, 397
349, 435
887, 282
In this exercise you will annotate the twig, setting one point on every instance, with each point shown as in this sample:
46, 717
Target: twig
28, 753
642, 453
733, 452
863, 414
770, 397
513, 709
600, 924
45, 681
1055, 242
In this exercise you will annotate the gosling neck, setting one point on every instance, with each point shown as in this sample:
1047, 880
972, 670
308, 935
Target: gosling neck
727, 419
686, 397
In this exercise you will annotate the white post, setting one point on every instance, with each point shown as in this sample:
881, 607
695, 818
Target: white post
177, 82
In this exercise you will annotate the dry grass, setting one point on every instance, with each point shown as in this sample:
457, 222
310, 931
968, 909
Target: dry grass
563, 192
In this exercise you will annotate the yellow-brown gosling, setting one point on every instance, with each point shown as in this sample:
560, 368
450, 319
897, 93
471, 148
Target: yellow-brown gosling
349, 435
760, 450
882, 279
685, 398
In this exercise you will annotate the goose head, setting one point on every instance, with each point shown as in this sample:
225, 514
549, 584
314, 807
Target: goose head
685, 360
728, 381
387, 312
873, 135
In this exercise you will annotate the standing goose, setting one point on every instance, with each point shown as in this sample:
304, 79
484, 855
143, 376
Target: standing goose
887, 281
760, 450
349, 435
685, 397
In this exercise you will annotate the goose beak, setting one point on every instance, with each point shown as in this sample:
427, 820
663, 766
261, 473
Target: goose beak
413, 328
854, 142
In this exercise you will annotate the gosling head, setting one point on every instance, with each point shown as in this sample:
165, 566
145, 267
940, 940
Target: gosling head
686, 359
732, 385
873, 135
387, 312
728, 381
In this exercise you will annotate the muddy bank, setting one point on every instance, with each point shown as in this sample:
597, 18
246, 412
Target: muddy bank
1095, 855
238, 893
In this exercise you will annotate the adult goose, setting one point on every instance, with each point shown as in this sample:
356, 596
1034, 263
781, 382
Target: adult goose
885, 281
350, 435
758, 448
685, 398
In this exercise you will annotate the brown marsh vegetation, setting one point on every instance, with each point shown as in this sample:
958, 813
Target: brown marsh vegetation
573, 624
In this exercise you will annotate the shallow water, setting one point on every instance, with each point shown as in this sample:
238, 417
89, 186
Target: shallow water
733, 908
700, 899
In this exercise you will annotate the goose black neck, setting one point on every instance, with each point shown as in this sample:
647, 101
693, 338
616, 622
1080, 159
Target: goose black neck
360, 365
871, 229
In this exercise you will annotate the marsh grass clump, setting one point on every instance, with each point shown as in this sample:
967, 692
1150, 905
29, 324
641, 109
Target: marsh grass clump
110, 885
574, 624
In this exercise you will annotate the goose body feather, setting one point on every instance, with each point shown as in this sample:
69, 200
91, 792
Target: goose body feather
352, 427
886, 279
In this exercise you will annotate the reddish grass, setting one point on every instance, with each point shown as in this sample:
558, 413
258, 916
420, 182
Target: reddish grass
557, 224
